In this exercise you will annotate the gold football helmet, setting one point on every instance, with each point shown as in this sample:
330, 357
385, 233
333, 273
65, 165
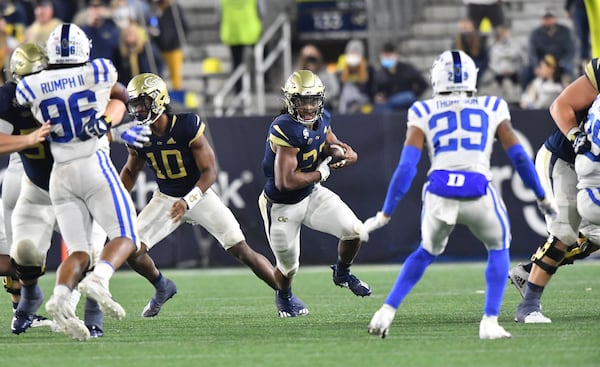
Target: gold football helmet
304, 96
148, 97
28, 58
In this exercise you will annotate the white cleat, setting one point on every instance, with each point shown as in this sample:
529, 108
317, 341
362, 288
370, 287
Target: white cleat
64, 316
92, 286
381, 321
489, 329
536, 317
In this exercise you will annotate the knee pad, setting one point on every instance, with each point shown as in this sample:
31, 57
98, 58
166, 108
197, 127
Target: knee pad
550, 251
9, 285
26, 252
30, 272
579, 251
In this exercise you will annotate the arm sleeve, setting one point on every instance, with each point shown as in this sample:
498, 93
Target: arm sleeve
525, 169
402, 178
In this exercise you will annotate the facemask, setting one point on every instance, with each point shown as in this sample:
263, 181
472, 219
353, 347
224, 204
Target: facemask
388, 62
353, 59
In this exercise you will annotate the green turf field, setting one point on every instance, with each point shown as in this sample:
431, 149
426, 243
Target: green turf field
228, 318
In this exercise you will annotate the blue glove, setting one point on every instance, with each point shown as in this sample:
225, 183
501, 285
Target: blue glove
136, 135
95, 128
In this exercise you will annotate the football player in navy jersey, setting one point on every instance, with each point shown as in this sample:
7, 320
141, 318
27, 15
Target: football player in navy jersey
555, 164
293, 196
185, 168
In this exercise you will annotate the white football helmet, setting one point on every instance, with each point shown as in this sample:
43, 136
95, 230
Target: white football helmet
304, 95
68, 44
453, 71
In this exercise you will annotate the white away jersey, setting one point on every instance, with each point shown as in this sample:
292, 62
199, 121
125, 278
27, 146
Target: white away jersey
69, 97
459, 130
587, 166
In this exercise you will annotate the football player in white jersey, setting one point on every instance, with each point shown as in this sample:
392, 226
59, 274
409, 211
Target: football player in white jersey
459, 128
72, 93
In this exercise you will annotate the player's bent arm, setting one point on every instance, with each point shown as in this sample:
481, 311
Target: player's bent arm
15, 143
119, 92
350, 156
405, 171
286, 176
131, 169
206, 163
520, 159
577, 96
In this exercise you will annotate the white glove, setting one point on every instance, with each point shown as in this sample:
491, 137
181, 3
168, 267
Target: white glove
375, 222
131, 134
547, 207
324, 169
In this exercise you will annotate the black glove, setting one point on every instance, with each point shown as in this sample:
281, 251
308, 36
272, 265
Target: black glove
581, 144
95, 128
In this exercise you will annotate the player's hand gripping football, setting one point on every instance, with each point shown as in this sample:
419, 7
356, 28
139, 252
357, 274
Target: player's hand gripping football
350, 157
375, 222
132, 134
95, 128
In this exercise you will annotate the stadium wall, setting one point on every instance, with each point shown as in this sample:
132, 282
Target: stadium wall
377, 138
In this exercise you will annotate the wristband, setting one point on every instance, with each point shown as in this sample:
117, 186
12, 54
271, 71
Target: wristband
193, 197
572, 134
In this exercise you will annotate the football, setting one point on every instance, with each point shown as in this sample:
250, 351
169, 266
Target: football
335, 151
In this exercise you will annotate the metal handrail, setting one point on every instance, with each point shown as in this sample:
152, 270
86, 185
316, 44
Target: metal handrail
262, 64
243, 96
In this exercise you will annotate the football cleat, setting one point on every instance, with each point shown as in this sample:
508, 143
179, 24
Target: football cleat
21, 321
95, 331
39, 321
489, 329
64, 315
160, 298
535, 317
290, 306
518, 277
348, 280
92, 286
381, 321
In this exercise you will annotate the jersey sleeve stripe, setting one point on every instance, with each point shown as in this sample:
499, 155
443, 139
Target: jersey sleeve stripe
29, 90
592, 71
278, 129
277, 140
96, 77
486, 101
496, 104
425, 107
105, 68
198, 133
416, 111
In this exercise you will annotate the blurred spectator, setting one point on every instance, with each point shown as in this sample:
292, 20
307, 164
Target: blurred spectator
356, 78
506, 60
169, 35
546, 86
103, 32
240, 27
134, 55
311, 59
576, 11
397, 84
12, 31
44, 23
470, 41
477, 10
553, 39
65, 10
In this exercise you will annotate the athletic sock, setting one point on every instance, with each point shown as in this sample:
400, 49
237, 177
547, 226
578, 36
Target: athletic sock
410, 274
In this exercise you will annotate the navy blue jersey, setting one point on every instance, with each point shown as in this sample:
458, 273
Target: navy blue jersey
287, 132
37, 161
171, 157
